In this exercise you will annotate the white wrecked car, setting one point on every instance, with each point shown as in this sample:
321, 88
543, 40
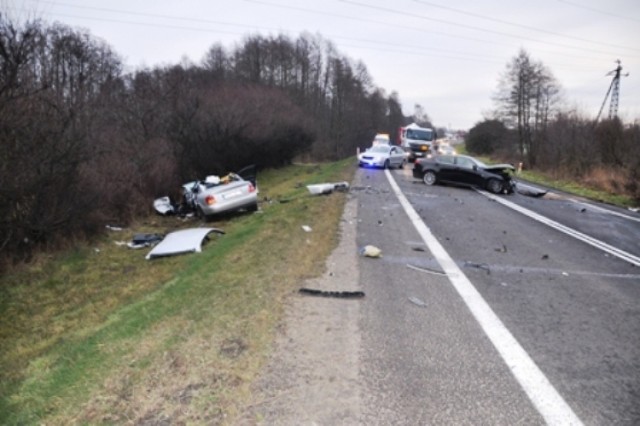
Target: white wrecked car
215, 195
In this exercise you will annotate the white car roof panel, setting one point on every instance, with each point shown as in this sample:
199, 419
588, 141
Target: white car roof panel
179, 242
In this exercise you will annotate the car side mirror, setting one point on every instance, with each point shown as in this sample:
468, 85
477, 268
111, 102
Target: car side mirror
475, 168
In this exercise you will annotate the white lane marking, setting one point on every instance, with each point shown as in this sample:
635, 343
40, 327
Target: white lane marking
635, 260
549, 403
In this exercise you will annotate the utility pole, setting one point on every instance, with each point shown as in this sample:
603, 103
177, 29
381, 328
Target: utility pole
614, 89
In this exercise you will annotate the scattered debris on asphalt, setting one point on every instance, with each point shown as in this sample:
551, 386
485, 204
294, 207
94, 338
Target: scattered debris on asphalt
337, 294
478, 266
530, 191
417, 302
417, 249
502, 249
370, 251
427, 270
114, 228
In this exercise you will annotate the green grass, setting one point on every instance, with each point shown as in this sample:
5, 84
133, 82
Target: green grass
99, 335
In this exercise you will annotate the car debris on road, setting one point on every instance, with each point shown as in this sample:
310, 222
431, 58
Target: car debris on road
328, 293
370, 251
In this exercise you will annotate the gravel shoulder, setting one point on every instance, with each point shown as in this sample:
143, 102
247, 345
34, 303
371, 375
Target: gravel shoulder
312, 376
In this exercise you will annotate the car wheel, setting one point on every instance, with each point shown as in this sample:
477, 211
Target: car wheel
387, 164
253, 207
429, 177
402, 164
495, 186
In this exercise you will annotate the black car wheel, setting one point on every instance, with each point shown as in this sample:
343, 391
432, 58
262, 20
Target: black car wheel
429, 177
402, 164
387, 164
495, 186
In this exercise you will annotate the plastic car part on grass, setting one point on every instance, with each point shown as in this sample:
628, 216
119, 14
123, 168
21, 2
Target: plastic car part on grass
144, 240
184, 241
163, 206
327, 188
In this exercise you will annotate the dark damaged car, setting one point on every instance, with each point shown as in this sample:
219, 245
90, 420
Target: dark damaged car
465, 171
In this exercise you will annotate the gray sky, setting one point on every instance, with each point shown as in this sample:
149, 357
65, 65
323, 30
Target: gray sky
446, 55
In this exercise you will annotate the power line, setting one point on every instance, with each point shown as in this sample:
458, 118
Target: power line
142, 14
502, 21
402, 49
316, 12
433, 19
423, 30
600, 11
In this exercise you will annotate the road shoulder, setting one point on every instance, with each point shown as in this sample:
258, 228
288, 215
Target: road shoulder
312, 376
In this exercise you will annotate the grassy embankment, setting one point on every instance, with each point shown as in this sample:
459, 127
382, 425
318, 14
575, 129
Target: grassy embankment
99, 335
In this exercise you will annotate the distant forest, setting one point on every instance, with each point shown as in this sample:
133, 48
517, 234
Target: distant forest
83, 144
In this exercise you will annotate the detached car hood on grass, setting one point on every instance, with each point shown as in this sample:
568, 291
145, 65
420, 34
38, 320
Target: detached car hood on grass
179, 242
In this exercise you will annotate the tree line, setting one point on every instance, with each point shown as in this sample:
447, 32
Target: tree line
84, 144
531, 124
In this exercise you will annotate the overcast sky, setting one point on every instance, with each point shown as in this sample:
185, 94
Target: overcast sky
446, 55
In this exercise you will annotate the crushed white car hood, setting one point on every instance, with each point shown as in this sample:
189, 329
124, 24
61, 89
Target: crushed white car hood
163, 206
327, 188
185, 241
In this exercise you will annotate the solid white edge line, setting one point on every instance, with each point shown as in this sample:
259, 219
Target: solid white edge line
549, 403
565, 229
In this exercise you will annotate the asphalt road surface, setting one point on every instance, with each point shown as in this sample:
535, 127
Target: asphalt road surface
485, 312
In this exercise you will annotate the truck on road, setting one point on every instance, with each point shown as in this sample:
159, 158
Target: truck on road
417, 141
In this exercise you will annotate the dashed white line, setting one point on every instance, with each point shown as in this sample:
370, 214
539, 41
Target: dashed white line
549, 403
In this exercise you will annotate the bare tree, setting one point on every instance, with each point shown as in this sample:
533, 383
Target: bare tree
420, 116
527, 93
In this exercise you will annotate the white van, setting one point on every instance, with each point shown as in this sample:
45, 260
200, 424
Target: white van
381, 139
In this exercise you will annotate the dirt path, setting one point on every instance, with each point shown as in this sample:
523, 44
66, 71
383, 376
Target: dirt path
312, 378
